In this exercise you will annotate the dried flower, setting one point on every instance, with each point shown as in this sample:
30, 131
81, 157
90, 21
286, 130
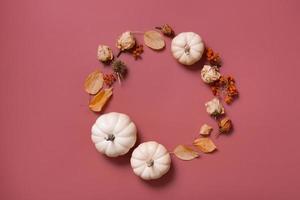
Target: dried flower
166, 30
120, 69
214, 107
225, 86
104, 53
109, 79
210, 74
213, 58
205, 130
137, 51
225, 125
126, 41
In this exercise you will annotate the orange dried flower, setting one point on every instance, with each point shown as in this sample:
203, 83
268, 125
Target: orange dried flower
213, 57
225, 87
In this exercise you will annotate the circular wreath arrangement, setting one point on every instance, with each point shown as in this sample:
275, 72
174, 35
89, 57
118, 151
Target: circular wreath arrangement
114, 134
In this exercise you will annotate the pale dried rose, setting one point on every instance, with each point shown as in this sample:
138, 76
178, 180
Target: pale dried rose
154, 40
210, 74
205, 145
225, 125
104, 53
214, 107
185, 153
126, 41
205, 130
94, 82
99, 100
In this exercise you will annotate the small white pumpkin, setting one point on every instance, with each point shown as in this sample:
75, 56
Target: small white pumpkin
150, 160
114, 134
187, 48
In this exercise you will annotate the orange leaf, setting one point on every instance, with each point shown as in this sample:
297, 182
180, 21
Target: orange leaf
206, 145
100, 99
185, 153
154, 40
94, 82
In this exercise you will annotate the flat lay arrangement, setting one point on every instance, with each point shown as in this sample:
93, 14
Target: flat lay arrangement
114, 134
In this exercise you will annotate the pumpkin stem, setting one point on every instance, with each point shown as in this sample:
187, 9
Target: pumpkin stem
150, 163
187, 49
110, 137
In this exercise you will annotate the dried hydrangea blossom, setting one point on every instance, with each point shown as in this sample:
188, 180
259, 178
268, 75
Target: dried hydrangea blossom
126, 41
214, 107
210, 74
104, 53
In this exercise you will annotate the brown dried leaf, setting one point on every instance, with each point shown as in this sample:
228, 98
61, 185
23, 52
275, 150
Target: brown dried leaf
100, 99
206, 145
185, 153
154, 40
94, 82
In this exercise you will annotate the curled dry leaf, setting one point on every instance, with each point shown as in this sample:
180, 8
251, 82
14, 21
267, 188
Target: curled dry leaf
94, 82
185, 153
99, 100
205, 130
154, 40
206, 145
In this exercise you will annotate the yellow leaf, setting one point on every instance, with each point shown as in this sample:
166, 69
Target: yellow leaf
185, 153
99, 100
94, 82
206, 145
154, 40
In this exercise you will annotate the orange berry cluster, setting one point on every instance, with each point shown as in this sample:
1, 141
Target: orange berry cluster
109, 79
225, 87
213, 57
137, 51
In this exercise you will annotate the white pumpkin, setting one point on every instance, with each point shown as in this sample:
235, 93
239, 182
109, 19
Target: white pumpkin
150, 160
114, 134
187, 48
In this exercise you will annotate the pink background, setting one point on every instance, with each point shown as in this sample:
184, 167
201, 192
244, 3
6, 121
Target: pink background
48, 48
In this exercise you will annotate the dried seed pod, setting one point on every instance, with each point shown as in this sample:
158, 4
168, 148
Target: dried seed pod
120, 69
225, 125
167, 30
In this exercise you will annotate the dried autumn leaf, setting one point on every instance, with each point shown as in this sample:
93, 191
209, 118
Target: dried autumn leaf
154, 40
100, 99
185, 153
206, 145
94, 82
